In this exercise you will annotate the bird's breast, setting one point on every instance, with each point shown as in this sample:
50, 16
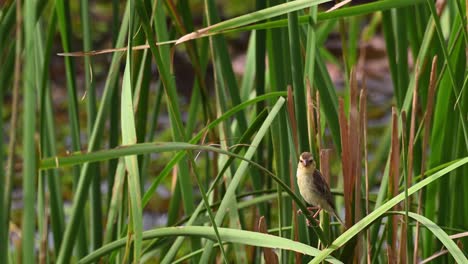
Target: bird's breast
307, 187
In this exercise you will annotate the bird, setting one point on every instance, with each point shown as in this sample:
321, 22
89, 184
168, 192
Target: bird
313, 187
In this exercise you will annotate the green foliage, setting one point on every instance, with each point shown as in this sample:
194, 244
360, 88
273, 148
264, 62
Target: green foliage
228, 151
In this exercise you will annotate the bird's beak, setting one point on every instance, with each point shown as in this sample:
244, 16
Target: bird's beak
305, 163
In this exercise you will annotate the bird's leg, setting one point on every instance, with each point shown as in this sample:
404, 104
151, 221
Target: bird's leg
309, 224
314, 216
316, 213
310, 209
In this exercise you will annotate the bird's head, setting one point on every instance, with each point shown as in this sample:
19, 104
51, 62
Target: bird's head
306, 160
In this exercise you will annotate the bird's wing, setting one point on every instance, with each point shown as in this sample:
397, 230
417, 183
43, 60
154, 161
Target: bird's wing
322, 187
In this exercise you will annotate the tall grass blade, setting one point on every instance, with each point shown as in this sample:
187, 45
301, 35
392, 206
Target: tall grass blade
6, 176
240, 173
29, 126
85, 177
96, 210
131, 163
227, 234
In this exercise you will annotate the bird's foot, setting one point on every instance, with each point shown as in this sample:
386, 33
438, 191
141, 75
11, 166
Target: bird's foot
310, 211
310, 224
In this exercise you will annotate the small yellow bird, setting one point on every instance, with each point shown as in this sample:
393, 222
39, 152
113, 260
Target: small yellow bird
313, 187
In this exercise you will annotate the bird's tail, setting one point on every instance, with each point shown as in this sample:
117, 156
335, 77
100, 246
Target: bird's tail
339, 219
